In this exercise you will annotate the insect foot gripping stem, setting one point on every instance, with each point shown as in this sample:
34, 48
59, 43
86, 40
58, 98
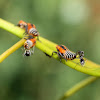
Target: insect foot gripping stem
47, 55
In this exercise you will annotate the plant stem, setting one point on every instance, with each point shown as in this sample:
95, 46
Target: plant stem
78, 86
11, 50
13, 29
48, 47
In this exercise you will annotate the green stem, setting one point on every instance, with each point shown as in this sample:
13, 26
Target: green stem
11, 50
48, 47
78, 86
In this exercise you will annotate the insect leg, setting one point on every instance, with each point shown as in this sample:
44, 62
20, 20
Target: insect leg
54, 52
32, 51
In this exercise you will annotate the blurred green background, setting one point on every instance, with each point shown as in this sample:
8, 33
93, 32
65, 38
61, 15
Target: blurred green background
74, 23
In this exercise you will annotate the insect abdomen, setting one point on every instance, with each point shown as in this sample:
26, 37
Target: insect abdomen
69, 55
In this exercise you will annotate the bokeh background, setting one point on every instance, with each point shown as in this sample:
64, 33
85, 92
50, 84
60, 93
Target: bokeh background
74, 23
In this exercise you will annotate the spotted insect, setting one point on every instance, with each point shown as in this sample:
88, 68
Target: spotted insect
29, 46
65, 53
22, 24
31, 30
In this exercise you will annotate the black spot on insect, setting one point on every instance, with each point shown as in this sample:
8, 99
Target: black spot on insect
63, 47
